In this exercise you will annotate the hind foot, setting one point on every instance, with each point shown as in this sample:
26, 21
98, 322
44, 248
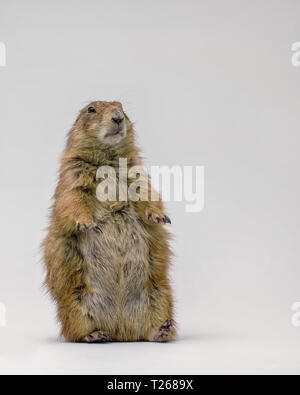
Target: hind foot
96, 337
165, 332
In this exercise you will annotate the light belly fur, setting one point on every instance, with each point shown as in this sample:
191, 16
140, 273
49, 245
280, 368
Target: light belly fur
116, 272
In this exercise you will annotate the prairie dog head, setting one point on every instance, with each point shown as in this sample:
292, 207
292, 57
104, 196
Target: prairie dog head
105, 121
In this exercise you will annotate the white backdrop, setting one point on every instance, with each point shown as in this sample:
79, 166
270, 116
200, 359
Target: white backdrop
207, 83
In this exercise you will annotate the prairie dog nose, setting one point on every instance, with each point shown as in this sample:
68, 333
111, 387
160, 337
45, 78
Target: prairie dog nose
117, 117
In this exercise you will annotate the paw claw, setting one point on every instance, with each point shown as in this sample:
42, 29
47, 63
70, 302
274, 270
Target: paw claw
167, 220
158, 218
97, 229
82, 227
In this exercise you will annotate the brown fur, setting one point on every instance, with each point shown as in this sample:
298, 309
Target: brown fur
107, 262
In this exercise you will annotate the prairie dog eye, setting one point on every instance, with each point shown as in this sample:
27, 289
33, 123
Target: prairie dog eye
91, 110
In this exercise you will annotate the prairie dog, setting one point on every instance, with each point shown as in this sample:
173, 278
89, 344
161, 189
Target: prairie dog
106, 262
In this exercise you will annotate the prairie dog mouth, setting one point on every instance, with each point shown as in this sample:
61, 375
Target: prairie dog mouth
114, 132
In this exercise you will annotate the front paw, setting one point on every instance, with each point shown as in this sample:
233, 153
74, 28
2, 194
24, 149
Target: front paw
84, 226
157, 217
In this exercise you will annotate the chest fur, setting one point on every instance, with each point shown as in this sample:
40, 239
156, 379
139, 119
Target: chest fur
117, 255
